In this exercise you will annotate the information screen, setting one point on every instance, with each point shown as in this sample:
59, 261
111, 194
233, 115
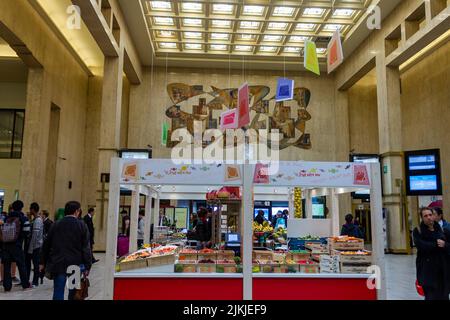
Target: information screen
426, 183
266, 212
135, 155
318, 210
426, 162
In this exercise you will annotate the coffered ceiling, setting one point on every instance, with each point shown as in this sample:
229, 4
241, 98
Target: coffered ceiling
257, 28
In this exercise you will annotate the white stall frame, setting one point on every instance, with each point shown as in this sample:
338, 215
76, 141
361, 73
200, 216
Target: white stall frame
150, 184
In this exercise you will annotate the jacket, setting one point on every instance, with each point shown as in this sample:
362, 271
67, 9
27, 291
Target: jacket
37, 235
47, 225
351, 230
90, 225
201, 231
67, 244
432, 262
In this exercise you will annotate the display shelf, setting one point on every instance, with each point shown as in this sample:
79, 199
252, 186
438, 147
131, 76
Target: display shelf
313, 275
176, 275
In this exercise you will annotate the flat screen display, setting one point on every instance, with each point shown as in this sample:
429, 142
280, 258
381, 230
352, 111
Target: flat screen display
266, 212
423, 183
135, 155
232, 237
318, 210
423, 162
276, 209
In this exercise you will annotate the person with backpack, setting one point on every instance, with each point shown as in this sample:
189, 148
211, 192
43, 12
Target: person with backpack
202, 234
67, 245
432, 262
36, 241
350, 229
12, 235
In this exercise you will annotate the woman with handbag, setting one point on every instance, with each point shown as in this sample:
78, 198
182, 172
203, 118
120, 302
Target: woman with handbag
433, 250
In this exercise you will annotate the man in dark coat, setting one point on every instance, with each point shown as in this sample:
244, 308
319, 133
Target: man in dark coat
350, 229
433, 250
88, 219
67, 245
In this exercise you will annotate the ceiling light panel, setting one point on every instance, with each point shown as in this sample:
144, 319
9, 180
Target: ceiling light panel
240, 27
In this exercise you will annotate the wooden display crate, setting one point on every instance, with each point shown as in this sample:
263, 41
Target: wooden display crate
132, 265
161, 260
346, 246
317, 248
353, 269
187, 256
262, 255
296, 256
279, 257
206, 267
189, 267
267, 268
280, 268
225, 255
353, 259
207, 256
226, 268
308, 268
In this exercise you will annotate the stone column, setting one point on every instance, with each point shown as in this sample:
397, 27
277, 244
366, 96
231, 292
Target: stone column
109, 133
390, 140
33, 183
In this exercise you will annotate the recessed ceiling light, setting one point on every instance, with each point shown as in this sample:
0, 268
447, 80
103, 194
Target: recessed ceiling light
277, 25
292, 49
163, 21
254, 10
166, 34
221, 23
161, 5
243, 48
223, 8
298, 38
191, 7
283, 11
305, 26
219, 36
246, 37
343, 12
193, 35
267, 49
168, 45
313, 12
321, 50
249, 24
333, 27
219, 47
193, 46
272, 38
192, 22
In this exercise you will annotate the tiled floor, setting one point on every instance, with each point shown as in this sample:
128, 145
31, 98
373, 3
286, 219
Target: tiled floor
400, 278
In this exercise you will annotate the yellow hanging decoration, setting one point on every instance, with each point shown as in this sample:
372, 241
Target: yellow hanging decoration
298, 209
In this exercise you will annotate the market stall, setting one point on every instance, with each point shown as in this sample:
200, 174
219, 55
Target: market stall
335, 270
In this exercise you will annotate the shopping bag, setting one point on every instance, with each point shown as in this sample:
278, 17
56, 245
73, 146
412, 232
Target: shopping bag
83, 292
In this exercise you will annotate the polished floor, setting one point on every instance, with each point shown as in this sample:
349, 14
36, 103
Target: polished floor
400, 279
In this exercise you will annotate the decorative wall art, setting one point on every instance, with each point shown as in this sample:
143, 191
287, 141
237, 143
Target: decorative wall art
193, 103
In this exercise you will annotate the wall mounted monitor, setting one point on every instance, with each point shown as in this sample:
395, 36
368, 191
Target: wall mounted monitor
266, 213
423, 173
135, 153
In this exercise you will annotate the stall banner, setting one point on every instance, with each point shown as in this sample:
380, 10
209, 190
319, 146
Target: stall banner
164, 171
311, 61
229, 120
261, 174
285, 90
335, 53
318, 174
243, 106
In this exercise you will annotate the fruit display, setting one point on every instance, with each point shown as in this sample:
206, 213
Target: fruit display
262, 228
298, 208
280, 235
179, 235
345, 243
309, 238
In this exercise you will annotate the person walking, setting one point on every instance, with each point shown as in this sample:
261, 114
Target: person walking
3, 216
47, 222
201, 230
439, 218
12, 235
88, 219
67, 245
141, 229
36, 241
432, 262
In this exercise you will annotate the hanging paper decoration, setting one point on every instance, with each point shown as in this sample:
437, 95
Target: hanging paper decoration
243, 106
335, 53
164, 133
285, 89
261, 174
298, 207
229, 120
311, 59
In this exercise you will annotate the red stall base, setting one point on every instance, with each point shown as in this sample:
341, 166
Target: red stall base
177, 289
311, 289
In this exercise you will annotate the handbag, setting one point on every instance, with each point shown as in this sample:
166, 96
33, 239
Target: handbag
83, 292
